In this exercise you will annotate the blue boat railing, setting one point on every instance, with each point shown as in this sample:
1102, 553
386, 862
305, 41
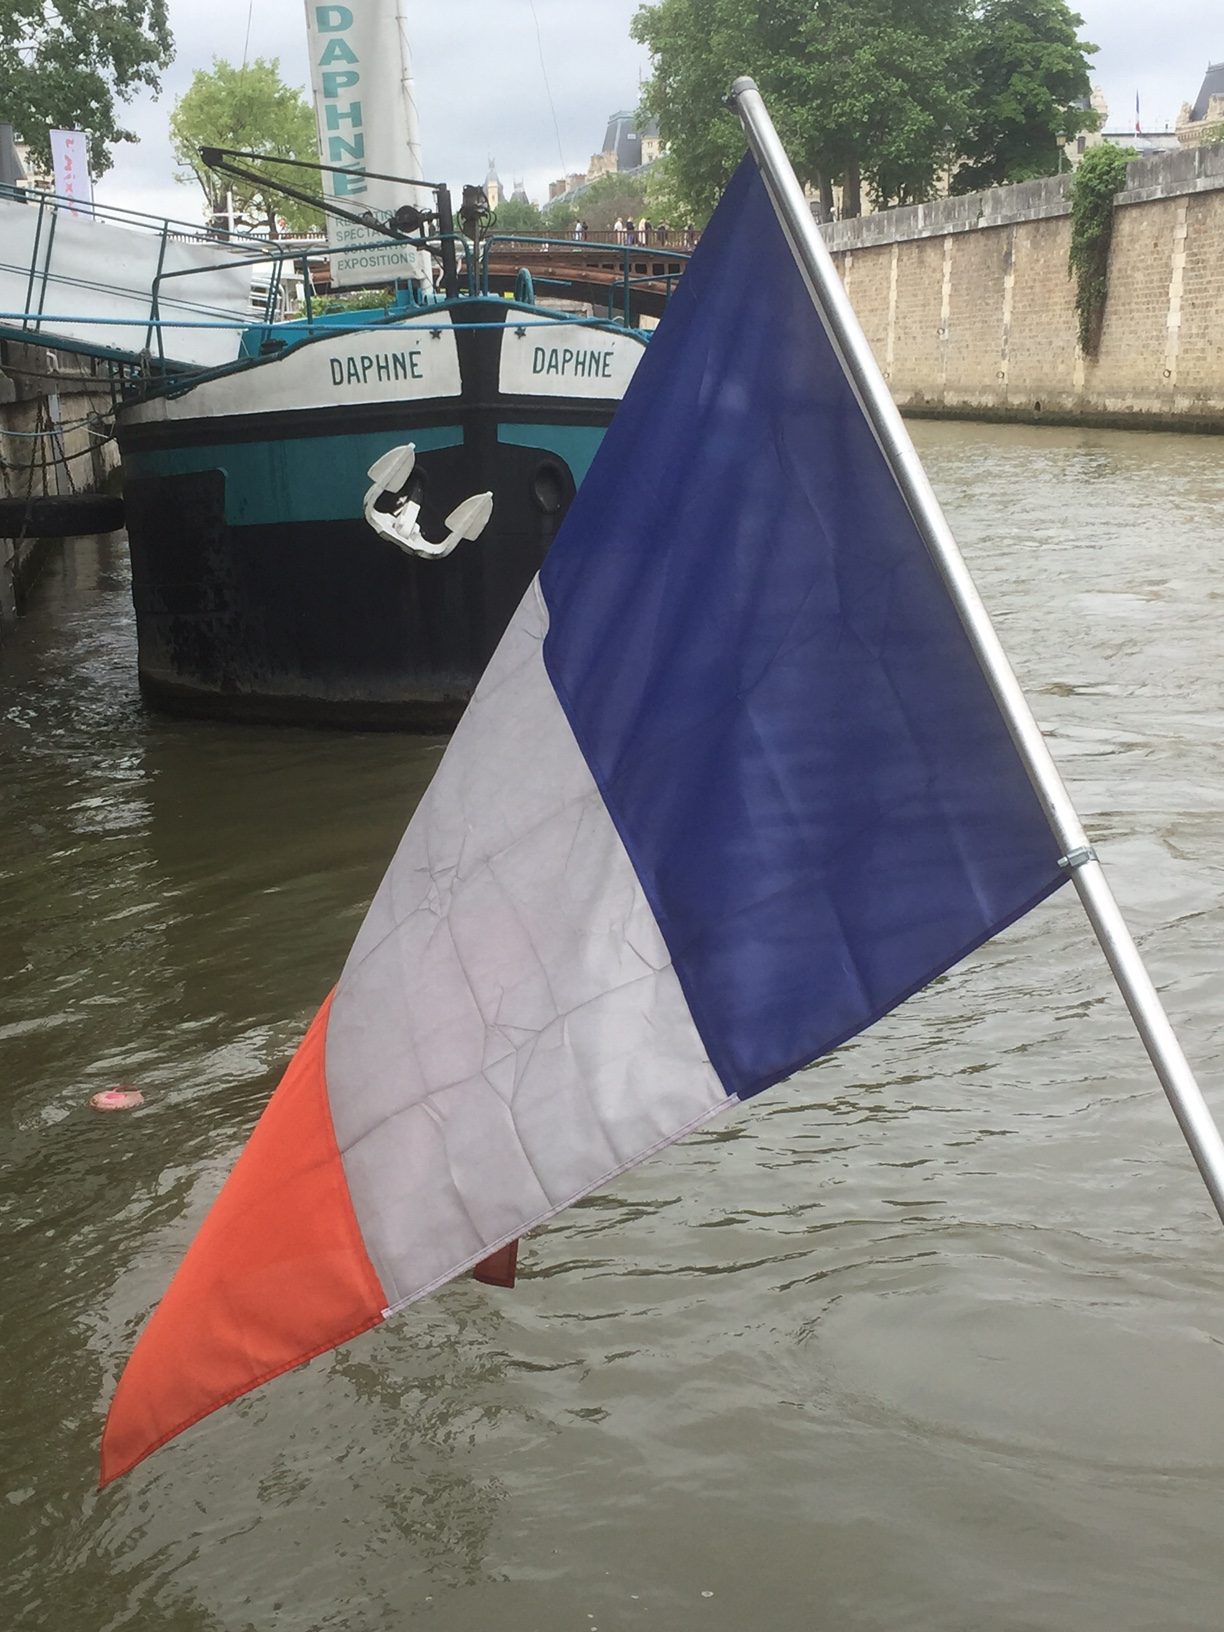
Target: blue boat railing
561, 266
34, 319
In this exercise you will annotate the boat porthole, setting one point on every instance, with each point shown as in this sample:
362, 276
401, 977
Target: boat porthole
548, 488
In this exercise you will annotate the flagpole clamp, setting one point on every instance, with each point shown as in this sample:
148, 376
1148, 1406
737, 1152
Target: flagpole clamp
1077, 858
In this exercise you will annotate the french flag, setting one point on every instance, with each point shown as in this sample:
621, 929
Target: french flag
732, 787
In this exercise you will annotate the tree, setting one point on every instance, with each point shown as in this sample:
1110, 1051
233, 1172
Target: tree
520, 215
63, 66
893, 79
600, 203
697, 48
663, 201
1031, 72
253, 110
874, 88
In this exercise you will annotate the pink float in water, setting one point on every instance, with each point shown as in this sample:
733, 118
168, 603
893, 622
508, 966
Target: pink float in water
117, 1099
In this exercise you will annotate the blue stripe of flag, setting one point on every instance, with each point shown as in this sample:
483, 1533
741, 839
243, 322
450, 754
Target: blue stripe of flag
770, 684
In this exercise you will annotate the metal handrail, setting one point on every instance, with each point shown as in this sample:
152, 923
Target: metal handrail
239, 250
624, 251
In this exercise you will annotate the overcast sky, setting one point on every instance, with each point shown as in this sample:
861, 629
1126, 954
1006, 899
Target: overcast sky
491, 74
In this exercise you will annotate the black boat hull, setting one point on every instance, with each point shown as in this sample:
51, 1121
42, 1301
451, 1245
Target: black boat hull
261, 591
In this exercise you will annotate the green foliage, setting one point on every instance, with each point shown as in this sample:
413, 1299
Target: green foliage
891, 78
892, 91
1030, 70
697, 49
251, 109
1100, 177
65, 66
560, 218
599, 204
517, 215
360, 300
663, 200
876, 87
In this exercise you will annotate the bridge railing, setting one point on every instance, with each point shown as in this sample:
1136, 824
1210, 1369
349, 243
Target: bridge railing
629, 264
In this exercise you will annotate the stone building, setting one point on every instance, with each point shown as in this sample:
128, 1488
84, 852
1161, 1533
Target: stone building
33, 174
493, 186
629, 143
1074, 150
1205, 120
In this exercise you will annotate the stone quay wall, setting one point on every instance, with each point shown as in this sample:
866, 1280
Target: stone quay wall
54, 410
970, 308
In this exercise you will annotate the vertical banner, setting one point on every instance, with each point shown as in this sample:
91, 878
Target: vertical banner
366, 113
70, 160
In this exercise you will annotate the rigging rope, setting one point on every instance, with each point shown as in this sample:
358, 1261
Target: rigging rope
552, 107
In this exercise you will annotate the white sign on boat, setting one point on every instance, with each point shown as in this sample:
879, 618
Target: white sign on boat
401, 363
567, 360
361, 75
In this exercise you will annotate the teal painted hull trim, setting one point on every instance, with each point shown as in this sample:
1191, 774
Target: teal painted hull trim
576, 444
317, 478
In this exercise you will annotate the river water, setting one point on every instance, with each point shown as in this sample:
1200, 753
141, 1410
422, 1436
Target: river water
928, 1338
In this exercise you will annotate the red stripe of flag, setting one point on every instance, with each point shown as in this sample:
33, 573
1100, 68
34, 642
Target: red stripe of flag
277, 1274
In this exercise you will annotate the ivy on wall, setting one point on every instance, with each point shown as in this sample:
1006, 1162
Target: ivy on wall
1097, 182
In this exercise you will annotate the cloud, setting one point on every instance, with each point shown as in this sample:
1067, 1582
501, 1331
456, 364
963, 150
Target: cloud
489, 85
1160, 55
531, 82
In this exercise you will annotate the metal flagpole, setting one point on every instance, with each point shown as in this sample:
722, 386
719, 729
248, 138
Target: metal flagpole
837, 314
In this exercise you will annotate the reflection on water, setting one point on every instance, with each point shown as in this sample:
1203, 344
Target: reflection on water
928, 1338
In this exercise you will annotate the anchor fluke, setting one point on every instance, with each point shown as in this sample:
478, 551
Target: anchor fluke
469, 519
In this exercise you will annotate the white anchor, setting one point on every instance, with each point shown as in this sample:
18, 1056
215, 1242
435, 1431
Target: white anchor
389, 473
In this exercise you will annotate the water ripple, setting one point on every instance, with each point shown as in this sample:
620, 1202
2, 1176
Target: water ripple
926, 1338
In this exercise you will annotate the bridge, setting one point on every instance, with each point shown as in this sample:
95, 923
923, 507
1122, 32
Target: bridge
636, 280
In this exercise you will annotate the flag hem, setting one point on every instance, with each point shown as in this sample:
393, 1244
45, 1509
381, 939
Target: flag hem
707, 1115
